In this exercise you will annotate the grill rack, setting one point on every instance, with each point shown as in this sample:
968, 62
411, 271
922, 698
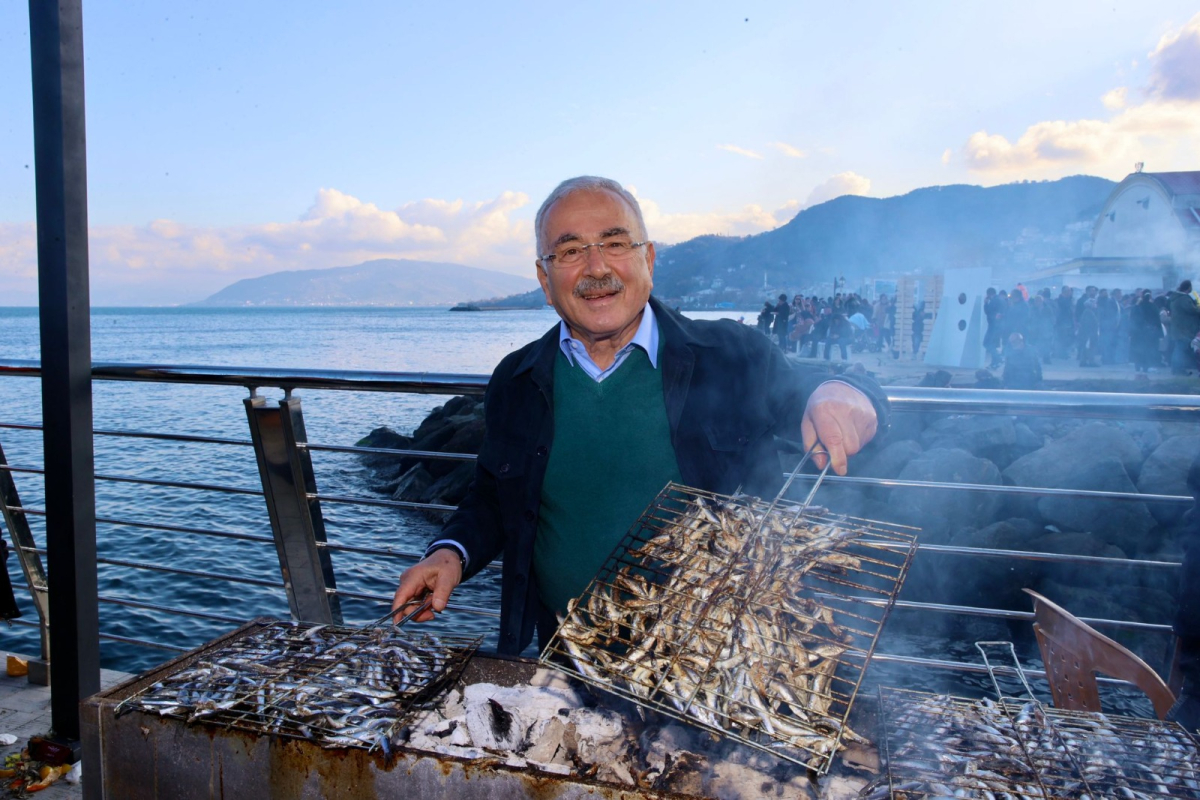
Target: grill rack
338, 686
758, 629
936, 745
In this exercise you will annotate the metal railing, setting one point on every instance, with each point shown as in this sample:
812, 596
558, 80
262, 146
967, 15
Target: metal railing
297, 523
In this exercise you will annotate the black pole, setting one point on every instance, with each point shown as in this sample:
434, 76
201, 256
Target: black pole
56, 47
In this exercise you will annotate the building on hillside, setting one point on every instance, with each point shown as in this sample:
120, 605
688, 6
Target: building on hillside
1146, 235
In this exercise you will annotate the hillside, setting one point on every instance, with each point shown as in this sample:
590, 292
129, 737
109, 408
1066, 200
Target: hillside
1014, 226
384, 282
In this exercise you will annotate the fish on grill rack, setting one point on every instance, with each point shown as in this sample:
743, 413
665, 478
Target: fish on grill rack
706, 612
336, 686
939, 746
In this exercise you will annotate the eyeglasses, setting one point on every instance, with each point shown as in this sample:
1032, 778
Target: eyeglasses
571, 254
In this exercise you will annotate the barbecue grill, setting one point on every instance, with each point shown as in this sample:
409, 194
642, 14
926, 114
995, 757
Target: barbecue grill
139, 754
938, 745
337, 686
753, 620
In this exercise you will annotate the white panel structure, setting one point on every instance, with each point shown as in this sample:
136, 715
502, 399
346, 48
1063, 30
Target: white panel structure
957, 336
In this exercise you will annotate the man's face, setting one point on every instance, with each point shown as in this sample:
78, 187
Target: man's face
597, 299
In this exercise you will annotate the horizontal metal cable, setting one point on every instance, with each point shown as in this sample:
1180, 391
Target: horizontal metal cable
1006, 402
208, 487
386, 451
112, 637
966, 666
30, 470
387, 551
1030, 555
382, 599
1000, 613
169, 610
366, 501
113, 562
37, 512
156, 526
1040, 491
173, 437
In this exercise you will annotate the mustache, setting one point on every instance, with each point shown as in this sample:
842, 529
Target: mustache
589, 285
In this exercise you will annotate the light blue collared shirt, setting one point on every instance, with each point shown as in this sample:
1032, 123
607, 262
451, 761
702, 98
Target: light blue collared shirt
646, 337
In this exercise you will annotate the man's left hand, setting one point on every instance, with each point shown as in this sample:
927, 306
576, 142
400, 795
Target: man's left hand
842, 419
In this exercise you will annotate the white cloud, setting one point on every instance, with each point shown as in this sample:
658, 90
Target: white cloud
741, 151
1163, 130
166, 261
788, 150
840, 184
1176, 60
670, 228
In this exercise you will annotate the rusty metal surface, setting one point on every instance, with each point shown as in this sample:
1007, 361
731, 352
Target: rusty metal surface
752, 620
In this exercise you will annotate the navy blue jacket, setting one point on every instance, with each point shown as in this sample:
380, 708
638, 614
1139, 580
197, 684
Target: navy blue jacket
729, 391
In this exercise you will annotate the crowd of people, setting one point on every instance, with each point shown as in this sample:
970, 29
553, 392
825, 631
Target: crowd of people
1149, 329
847, 322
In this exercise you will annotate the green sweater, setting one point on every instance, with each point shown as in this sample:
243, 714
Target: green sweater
611, 456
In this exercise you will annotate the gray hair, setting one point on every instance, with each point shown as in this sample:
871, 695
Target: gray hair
584, 183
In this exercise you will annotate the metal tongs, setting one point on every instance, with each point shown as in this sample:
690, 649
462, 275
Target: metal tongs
425, 601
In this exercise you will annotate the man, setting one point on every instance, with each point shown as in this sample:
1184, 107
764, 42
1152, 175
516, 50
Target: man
1022, 365
1064, 323
765, 316
994, 307
1185, 323
782, 310
1108, 316
586, 425
1089, 333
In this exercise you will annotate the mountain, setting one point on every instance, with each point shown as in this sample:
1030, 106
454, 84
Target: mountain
1016, 226
383, 282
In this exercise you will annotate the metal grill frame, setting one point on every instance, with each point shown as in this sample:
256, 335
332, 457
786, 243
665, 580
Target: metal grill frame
298, 665
857, 602
1057, 770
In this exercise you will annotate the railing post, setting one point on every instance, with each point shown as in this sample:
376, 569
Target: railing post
23, 544
60, 162
296, 521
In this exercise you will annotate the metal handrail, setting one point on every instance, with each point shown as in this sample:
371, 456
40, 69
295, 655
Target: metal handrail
1098, 405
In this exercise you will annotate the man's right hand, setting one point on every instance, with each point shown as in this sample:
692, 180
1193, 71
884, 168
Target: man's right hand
438, 574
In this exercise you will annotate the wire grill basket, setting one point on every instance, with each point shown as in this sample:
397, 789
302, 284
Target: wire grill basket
340, 687
943, 746
752, 620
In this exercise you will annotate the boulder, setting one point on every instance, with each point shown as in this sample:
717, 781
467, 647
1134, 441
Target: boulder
450, 489
386, 466
1075, 574
1165, 472
987, 436
412, 485
961, 509
989, 582
1123, 523
1148, 435
891, 460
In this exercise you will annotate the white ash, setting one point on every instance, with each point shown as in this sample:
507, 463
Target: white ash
549, 727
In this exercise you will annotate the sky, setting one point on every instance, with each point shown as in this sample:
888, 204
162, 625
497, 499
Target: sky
230, 140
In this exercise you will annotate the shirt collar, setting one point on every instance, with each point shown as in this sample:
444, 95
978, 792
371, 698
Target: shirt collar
646, 337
